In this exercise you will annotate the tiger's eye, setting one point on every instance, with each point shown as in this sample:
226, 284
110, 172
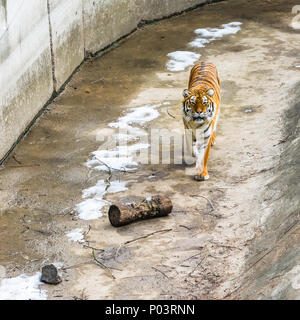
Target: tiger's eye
193, 100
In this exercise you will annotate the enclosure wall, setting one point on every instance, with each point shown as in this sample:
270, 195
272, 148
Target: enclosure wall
43, 41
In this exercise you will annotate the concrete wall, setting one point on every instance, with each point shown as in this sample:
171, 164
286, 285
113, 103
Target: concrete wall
25, 66
43, 41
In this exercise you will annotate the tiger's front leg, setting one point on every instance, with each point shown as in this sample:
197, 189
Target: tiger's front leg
213, 139
202, 152
189, 154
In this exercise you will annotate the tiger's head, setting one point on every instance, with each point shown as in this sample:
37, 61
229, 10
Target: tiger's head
198, 105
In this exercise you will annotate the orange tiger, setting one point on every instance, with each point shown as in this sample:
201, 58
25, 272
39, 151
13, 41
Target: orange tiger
201, 107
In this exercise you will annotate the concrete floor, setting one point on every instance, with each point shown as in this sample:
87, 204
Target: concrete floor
207, 254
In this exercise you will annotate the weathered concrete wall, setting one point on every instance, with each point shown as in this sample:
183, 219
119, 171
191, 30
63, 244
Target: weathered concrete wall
66, 22
43, 41
105, 21
25, 67
156, 9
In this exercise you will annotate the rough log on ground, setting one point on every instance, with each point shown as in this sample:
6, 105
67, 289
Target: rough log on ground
156, 206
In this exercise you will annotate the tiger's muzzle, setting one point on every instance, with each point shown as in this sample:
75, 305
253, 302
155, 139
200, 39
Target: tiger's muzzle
200, 117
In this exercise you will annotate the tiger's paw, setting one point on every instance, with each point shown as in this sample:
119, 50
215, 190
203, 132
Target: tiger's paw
198, 177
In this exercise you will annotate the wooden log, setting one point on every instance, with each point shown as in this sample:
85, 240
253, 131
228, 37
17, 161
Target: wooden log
156, 206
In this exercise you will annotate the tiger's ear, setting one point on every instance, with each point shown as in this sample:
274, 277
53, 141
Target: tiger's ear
185, 93
210, 92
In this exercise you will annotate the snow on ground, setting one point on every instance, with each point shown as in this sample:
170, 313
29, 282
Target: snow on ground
120, 158
76, 235
207, 35
22, 287
180, 60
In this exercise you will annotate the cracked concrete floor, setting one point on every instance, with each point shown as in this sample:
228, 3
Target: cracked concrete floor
206, 254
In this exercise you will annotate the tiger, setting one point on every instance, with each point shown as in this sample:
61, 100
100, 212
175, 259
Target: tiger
200, 110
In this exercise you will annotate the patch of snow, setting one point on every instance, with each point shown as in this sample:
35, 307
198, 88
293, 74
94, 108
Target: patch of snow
90, 209
199, 42
99, 190
118, 159
22, 287
75, 235
140, 115
208, 35
181, 60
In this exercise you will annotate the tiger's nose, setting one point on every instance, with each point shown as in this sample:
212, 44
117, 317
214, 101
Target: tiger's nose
201, 115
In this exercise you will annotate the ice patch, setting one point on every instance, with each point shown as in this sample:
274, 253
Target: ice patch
228, 28
199, 42
91, 209
119, 158
208, 35
181, 60
138, 116
22, 287
75, 235
99, 190
114, 162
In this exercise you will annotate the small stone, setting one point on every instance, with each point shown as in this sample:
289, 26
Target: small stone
50, 275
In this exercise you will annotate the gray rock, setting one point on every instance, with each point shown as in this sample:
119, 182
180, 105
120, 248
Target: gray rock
50, 274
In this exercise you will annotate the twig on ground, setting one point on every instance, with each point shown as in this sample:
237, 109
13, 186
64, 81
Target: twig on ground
197, 266
204, 256
146, 236
90, 247
76, 265
139, 238
195, 255
87, 232
110, 173
111, 168
170, 114
161, 272
198, 195
17, 161
225, 246
102, 265
183, 226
